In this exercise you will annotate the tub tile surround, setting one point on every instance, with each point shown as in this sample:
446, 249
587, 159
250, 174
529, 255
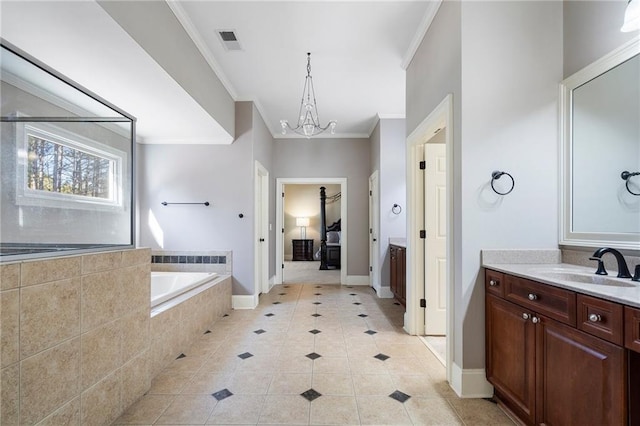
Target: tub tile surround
219, 261
73, 348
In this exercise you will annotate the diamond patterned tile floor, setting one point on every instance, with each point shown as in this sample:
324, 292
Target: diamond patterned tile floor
292, 362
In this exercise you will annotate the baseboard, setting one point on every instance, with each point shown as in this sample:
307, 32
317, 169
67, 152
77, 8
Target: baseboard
470, 383
384, 293
244, 302
357, 280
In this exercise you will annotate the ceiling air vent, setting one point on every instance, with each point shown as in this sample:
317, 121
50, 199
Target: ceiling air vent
229, 40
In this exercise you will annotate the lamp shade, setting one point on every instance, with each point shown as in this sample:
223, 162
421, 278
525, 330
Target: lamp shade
302, 221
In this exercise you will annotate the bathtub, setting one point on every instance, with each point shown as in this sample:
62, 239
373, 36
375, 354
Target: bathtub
171, 288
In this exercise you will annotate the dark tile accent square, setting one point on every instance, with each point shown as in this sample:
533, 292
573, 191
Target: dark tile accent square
214, 259
370, 332
352, 294
260, 331
382, 357
191, 259
396, 303
165, 259
318, 286
207, 332
225, 315
181, 356
222, 259
282, 294
357, 303
199, 259
286, 286
400, 396
317, 303
269, 314
315, 331
316, 315
206, 259
276, 303
245, 355
313, 355
182, 259
363, 315
311, 394
222, 394
175, 259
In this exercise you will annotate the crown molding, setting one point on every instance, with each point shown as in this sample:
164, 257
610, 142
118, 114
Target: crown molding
427, 19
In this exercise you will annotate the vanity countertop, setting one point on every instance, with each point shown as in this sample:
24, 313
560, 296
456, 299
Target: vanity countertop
621, 290
400, 242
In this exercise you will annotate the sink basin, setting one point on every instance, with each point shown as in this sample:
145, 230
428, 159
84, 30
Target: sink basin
578, 277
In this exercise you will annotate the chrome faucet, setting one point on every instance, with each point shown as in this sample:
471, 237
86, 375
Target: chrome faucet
623, 270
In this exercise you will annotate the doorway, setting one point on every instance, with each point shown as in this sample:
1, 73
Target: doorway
283, 240
430, 209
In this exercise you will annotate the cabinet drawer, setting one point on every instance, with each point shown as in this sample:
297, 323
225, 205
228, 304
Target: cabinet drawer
494, 282
601, 318
553, 302
632, 328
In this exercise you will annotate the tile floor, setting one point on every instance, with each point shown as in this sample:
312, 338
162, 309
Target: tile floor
310, 354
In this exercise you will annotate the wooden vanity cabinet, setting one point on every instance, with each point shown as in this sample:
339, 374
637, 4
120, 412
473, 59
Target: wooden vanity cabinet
398, 262
544, 369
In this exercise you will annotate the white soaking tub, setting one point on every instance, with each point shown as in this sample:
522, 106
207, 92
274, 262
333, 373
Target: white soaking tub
170, 288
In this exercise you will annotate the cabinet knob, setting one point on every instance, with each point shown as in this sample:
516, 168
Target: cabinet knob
533, 296
595, 318
535, 320
493, 283
526, 316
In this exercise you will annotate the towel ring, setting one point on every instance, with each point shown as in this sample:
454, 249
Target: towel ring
495, 175
626, 176
396, 209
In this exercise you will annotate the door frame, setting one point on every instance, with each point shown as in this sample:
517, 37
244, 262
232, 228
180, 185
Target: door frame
261, 229
440, 117
374, 230
280, 183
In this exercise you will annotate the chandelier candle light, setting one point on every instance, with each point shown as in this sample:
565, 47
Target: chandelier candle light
308, 121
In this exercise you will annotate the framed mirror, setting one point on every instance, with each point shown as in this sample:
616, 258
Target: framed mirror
600, 152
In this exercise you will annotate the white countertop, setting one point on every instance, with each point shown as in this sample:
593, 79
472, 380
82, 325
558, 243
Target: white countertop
621, 290
401, 242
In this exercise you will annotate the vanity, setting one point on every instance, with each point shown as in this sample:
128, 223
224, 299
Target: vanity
563, 344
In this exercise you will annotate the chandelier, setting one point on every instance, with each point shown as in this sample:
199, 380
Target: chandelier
308, 122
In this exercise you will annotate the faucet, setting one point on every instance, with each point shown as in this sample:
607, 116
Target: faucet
623, 270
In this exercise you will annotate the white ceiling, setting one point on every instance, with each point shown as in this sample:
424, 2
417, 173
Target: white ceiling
357, 51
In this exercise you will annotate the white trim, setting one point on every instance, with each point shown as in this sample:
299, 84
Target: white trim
261, 200
357, 280
197, 39
427, 19
566, 235
384, 293
244, 302
280, 182
470, 383
440, 117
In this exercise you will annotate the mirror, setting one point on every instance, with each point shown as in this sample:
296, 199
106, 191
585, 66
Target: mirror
600, 115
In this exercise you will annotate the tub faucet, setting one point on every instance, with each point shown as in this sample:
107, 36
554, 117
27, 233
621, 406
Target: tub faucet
623, 270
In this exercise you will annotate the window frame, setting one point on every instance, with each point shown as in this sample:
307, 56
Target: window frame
26, 196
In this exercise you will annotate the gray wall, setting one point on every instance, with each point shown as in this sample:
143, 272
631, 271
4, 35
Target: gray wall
502, 62
388, 156
172, 48
334, 158
591, 30
220, 174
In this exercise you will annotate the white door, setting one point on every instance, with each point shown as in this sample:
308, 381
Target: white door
435, 200
261, 274
374, 251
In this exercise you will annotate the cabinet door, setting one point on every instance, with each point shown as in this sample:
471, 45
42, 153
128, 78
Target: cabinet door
580, 378
402, 275
393, 266
510, 356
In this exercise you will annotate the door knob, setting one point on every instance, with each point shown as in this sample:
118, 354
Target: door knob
262, 240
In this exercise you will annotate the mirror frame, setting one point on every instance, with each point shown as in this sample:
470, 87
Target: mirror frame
591, 71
